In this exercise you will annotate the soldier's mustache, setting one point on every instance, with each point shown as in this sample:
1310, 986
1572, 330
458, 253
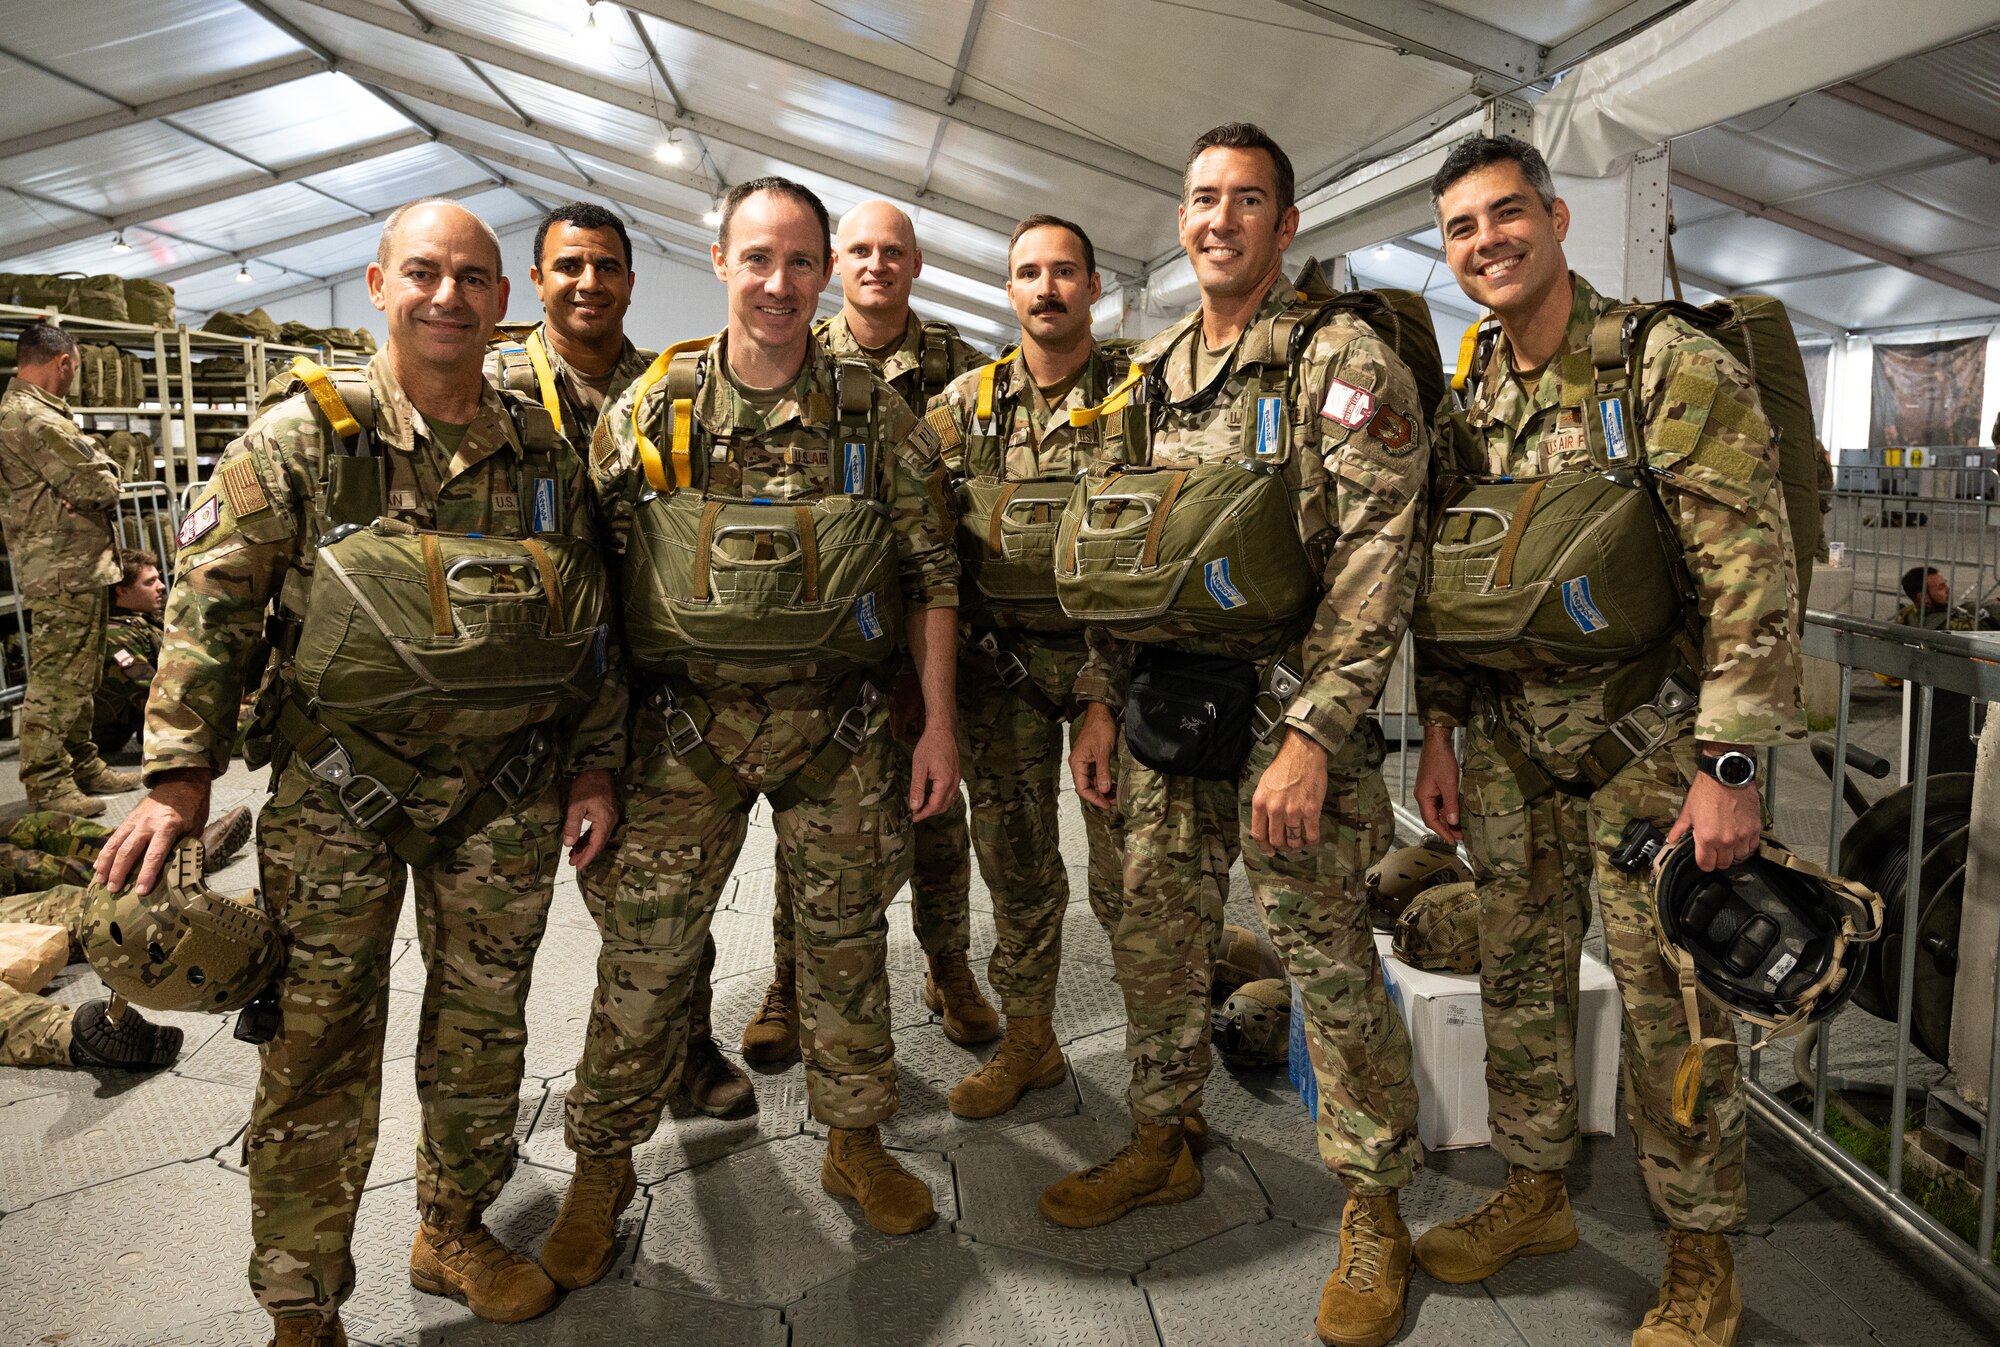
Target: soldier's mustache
1043, 306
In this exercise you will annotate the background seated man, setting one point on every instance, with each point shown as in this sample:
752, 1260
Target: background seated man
131, 650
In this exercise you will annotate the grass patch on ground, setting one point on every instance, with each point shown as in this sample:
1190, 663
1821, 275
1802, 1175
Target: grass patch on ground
1955, 1206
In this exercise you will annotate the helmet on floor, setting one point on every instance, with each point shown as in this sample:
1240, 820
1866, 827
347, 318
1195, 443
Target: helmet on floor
1242, 958
1254, 1026
1439, 930
183, 946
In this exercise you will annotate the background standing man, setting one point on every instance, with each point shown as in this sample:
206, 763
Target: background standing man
57, 494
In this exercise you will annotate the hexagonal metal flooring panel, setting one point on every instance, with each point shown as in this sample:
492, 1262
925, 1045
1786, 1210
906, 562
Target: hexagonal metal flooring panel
1001, 1177
686, 1138
928, 1065
58, 1143
616, 1311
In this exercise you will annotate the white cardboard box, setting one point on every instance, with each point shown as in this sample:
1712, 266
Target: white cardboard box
1448, 1050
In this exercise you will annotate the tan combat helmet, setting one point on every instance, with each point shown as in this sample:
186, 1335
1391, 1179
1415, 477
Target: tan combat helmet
1406, 872
183, 946
1242, 958
1254, 1026
1439, 930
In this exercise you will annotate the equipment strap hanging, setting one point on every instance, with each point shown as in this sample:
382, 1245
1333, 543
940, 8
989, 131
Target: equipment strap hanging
681, 412
545, 377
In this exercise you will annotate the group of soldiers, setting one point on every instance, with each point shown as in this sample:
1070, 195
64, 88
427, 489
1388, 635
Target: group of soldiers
776, 458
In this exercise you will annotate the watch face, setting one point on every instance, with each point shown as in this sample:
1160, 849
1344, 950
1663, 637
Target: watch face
1736, 769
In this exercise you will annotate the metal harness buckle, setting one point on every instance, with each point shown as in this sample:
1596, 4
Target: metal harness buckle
853, 726
511, 781
1007, 665
1281, 684
1671, 700
364, 800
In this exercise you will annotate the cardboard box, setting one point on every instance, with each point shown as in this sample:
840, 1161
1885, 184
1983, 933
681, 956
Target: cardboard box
1448, 1050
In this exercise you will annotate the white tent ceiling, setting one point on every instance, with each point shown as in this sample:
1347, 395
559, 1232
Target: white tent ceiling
273, 134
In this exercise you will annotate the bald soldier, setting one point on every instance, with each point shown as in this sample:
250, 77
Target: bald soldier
877, 258
413, 466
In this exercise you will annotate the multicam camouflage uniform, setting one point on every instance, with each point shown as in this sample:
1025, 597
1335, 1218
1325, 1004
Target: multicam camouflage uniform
45, 860
940, 855
1717, 479
655, 889
337, 889
1365, 482
131, 653
579, 402
57, 491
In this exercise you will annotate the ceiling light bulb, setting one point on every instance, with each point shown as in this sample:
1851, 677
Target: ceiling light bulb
712, 217
243, 276
668, 151
1382, 252
118, 243
593, 33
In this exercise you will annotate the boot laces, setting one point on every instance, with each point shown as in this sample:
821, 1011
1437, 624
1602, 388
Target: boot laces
780, 1003
869, 1160
953, 978
477, 1251
1509, 1203
1018, 1051
594, 1193
1132, 1155
704, 1061
1363, 1242
1685, 1281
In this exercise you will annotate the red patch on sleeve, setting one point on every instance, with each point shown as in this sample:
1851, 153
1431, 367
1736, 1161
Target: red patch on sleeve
1347, 405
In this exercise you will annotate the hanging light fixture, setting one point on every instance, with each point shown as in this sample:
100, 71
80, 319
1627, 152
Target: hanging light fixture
118, 243
669, 151
243, 276
712, 217
593, 34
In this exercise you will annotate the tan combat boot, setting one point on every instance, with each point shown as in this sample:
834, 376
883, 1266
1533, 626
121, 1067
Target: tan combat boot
583, 1243
67, 800
1154, 1168
951, 991
104, 779
1028, 1059
496, 1283
1700, 1305
1362, 1302
892, 1199
773, 1032
714, 1084
307, 1330
222, 839
1530, 1215
1196, 1128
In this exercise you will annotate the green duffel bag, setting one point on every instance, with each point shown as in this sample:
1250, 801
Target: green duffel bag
1548, 572
102, 297
450, 634
255, 323
1007, 543
1164, 554
30, 290
149, 302
301, 334
761, 586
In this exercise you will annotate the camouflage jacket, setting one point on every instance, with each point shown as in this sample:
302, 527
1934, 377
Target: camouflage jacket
1716, 475
57, 491
250, 539
902, 370
507, 368
131, 655
1357, 468
786, 453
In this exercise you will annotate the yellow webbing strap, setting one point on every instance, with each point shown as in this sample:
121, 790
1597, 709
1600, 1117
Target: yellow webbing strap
1468, 347
1114, 402
320, 384
545, 377
983, 411
683, 416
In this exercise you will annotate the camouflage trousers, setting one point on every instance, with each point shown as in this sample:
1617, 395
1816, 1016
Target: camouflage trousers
1013, 762
47, 847
65, 662
337, 893
34, 1031
1534, 864
655, 890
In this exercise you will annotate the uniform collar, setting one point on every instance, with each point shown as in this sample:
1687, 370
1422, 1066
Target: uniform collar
1585, 306
809, 400
906, 357
1170, 355
397, 422
628, 366
17, 384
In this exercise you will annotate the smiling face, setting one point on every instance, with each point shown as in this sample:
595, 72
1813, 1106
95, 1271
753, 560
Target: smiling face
1503, 246
1230, 224
876, 253
440, 287
775, 265
584, 282
1049, 286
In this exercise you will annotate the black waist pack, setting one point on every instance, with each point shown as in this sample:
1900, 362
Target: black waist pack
1190, 715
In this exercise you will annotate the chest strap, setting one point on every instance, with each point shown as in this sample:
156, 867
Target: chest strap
683, 366
688, 718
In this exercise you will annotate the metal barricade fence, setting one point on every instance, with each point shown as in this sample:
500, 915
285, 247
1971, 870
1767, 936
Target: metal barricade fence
1890, 517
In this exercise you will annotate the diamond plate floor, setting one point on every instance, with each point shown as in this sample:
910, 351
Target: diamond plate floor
124, 1218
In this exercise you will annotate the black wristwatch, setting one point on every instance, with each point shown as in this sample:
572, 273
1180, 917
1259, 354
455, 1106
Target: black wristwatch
1734, 768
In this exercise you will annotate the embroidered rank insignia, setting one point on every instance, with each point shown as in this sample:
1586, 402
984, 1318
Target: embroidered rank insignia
1391, 427
1347, 405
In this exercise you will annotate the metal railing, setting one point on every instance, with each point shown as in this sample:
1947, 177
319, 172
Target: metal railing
1886, 518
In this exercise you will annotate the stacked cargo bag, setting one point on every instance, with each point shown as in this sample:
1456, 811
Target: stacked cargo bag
149, 302
255, 323
102, 297
302, 334
56, 291
136, 392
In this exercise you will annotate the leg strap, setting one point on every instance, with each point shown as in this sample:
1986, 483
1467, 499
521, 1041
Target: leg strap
688, 719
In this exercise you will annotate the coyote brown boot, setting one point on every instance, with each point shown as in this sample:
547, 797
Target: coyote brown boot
1530, 1215
1155, 1167
222, 839
773, 1032
307, 1330
583, 1243
496, 1283
104, 779
951, 991
68, 800
1362, 1302
1028, 1059
714, 1084
892, 1199
1699, 1303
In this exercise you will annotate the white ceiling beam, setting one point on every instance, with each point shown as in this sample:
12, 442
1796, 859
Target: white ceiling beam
1608, 31
946, 101
1798, 315
235, 86
1435, 33
208, 196
1840, 238
1938, 128
312, 44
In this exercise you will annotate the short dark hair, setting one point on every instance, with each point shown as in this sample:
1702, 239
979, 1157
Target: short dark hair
1913, 581
134, 560
1244, 136
1046, 221
40, 343
1477, 152
584, 215
797, 191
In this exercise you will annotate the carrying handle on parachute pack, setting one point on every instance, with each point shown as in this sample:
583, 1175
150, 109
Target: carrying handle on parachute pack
681, 410
1114, 402
805, 546
983, 408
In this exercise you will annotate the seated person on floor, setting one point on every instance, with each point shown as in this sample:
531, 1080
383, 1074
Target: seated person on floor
1929, 605
131, 650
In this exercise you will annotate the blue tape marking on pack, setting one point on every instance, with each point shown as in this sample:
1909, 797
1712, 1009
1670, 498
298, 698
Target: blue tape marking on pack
513, 348
603, 647
864, 617
1611, 411
854, 464
1576, 602
1270, 414
1215, 575
1298, 1063
544, 520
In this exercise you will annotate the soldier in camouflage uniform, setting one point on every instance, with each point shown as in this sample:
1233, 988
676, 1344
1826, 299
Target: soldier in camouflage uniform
131, 650
1309, 800
251, 539
1535, 850
877, 258
766, 423
57, 494
583, 276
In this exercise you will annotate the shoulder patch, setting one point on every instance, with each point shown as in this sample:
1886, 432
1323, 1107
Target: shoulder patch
1347, 405
945, 426
1390, 427
240, 486
198, 523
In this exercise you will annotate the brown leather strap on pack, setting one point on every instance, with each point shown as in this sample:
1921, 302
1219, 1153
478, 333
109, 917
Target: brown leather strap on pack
1151, 553
1517, 528
551, 585
808, 551
704, 542
434, 575
993, 548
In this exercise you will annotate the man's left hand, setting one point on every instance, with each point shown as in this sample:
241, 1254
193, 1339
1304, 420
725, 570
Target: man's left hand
590, 816
1284, 811
933, 774
1724, 819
